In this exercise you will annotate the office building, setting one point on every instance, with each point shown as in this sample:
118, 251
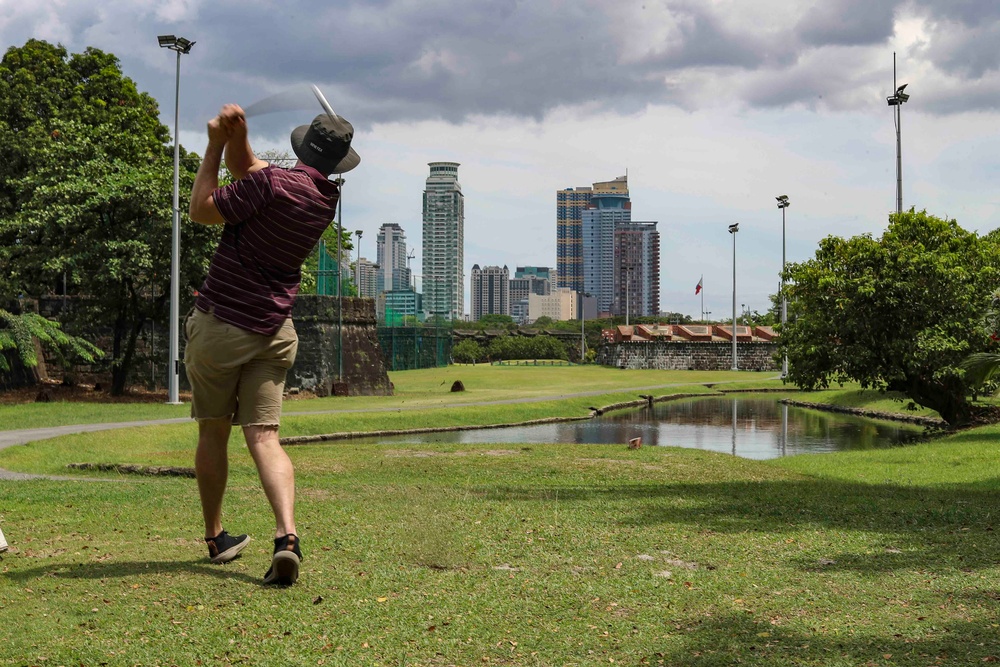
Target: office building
393, 269
599, 220
561, 304
399, 307
443, 242
536, 272
365, 278
490, 289
636, 269
570, 253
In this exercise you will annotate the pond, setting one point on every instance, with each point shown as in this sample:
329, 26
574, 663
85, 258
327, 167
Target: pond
749, 426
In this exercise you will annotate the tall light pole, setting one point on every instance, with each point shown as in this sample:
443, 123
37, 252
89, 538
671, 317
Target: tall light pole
896, 100
733, 228
783, 203
340, 277
180, 45
357, 267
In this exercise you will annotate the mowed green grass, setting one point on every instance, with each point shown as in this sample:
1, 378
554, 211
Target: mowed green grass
517, 555
428, 388
510, 554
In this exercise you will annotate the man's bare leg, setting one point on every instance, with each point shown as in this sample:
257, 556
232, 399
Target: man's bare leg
211, 465
276, 475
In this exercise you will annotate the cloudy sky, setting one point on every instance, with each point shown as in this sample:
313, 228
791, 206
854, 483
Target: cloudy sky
713, 107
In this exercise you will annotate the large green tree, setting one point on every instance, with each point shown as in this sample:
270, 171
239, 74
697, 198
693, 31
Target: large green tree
86, 178
895, 313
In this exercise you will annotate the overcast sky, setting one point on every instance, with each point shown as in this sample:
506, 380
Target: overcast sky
712, 106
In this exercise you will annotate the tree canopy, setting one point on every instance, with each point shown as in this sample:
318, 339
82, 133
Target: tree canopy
86, 179
896, 313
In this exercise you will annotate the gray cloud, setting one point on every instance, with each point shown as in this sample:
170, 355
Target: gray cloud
847, 23
401, 60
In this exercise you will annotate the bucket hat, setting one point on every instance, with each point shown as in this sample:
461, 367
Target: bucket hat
326, 144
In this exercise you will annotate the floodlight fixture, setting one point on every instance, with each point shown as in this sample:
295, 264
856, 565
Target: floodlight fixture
733, 228
898, 97
174, 43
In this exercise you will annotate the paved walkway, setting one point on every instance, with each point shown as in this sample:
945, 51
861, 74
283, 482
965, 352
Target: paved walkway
24, 436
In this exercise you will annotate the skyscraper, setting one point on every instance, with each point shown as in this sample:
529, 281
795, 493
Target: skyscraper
570, 205
636, 269
393, 273
443, 242
599, 220
490, 289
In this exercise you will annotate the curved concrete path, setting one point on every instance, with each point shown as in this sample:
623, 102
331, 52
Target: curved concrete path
24, 436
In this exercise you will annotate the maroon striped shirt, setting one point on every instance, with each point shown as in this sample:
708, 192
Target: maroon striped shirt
274, 219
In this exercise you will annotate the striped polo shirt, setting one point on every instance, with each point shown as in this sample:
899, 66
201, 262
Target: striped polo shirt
274, 219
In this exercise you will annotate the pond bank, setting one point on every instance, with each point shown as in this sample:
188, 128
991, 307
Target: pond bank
870, 414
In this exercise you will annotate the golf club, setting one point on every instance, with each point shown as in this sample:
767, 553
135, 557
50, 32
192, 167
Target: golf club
323, 103
294, 99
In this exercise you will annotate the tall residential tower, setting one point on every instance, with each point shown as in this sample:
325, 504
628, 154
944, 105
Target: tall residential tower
393, 273
490, 289
443, 242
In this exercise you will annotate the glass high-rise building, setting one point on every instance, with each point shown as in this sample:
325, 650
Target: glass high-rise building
605, 212
570, 254
443, 242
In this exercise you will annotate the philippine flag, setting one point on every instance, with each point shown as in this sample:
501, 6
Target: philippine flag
697, 288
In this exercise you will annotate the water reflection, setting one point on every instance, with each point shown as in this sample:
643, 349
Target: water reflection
755, 427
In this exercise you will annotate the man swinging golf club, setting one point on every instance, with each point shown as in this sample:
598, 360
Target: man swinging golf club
240, 337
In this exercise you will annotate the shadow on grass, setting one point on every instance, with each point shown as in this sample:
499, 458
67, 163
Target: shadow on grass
112, 570
920, 527
737, 638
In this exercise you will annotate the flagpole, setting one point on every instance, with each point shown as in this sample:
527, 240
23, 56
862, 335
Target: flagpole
701, 289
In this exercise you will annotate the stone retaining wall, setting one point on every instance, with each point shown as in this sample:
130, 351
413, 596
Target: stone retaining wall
315, 368
686, 355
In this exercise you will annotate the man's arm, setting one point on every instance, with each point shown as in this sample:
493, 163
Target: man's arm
240, 159
203, 208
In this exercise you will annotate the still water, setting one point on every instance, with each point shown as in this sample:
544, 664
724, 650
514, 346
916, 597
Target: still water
753, 427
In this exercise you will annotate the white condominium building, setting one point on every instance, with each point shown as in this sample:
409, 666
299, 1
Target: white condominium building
443, 242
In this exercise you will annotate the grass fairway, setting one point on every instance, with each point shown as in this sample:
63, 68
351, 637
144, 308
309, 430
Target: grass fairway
510, 555
429, 388
528, 555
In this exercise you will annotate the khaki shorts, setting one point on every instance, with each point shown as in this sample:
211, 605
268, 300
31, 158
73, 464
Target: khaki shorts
237, 373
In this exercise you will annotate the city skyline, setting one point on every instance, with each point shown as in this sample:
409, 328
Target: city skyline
712, 108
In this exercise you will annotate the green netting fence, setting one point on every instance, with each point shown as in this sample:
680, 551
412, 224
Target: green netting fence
408, 348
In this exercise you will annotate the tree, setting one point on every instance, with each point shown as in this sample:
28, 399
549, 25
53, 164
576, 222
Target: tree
542, 322
17, 331
492, 321
898, 313
86, 178
468, 351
